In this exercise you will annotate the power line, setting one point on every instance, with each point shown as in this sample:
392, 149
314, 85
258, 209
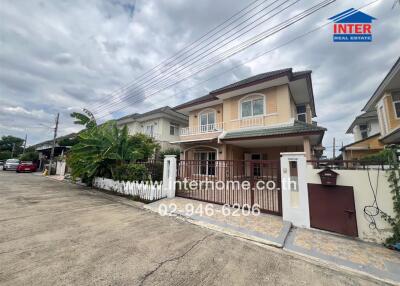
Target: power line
252, 41
240, 47
184, 50
172, 70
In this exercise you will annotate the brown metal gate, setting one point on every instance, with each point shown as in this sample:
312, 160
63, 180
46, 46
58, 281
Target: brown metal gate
332, 208
243, 183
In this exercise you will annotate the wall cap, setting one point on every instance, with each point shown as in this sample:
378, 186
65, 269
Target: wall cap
284, 154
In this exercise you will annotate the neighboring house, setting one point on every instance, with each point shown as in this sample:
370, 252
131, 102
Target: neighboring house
366, 131
162, 124
383, 107
254, 119
44, 148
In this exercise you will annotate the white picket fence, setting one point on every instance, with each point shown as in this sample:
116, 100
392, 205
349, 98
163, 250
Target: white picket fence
145, 190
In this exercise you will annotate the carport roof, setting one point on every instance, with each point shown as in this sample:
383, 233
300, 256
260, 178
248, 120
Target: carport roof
298, 127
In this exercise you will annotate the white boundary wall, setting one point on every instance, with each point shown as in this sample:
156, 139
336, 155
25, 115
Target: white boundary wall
363, 196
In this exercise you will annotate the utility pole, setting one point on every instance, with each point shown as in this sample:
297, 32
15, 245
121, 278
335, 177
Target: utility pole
334, 149
26, 137
54, 143
12, 150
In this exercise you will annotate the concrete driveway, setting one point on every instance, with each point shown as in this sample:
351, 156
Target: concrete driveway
54, 233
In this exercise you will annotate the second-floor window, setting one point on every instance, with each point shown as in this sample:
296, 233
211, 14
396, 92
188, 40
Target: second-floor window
207, 121
173, 129
396, 103
301, 113
252, 106
364, 130
150, 130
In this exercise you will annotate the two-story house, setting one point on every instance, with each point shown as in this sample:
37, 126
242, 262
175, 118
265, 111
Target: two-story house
381, 118
366, 132
254, 119
162, 124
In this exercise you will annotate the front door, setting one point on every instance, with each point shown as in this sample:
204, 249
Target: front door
332, 208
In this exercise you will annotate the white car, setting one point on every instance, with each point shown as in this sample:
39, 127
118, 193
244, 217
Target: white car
11, 164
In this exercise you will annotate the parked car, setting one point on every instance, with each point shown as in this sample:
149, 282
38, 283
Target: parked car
26, 167
11, 164
1, 163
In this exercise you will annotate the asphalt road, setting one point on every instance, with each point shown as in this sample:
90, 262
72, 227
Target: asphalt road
55, 233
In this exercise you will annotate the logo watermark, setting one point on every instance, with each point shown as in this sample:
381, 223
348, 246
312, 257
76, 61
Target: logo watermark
352, 26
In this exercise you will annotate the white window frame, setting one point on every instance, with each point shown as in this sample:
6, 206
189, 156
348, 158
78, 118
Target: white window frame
394, 103
361, 130
251, 98
303, 113
209, 126
151, 127
380, 107
175, 128
198, 171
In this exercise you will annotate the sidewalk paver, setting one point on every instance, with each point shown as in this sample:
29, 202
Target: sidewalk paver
362, 256
353, 254
264, 228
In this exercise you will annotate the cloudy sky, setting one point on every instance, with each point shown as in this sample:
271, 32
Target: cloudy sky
61, 56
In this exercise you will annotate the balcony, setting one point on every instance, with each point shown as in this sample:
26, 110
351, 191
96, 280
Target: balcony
154, 135
202, 129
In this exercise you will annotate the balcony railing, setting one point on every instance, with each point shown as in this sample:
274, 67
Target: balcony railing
202, 129
154, 135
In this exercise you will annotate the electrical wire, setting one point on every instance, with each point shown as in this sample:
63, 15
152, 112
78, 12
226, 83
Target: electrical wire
373, 210
214, 31
219, 43
255, 40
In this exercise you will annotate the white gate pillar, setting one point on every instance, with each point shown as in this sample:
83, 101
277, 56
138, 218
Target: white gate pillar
294, 189
169, 176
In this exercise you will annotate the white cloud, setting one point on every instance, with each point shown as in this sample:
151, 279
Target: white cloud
72, 54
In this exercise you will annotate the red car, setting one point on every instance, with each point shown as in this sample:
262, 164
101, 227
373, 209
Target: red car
26, 167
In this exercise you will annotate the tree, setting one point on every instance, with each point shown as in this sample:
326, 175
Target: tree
102, 149
86, 118
11, 143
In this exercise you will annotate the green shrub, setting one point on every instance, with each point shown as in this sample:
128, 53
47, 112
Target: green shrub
4, 155
29, 156
383, 156
131, 172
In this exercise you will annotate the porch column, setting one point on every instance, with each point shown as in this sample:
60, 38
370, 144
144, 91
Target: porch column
294, 189
307, 148
169, 176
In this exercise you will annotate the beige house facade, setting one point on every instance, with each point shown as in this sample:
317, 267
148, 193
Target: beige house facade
162, 124
253, 119
379, 125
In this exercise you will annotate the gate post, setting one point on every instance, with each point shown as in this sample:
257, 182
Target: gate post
294, 189
169, 176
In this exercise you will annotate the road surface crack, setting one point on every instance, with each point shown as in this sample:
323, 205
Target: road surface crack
160, 264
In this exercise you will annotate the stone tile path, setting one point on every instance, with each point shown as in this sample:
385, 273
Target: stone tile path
268, 229
362, 256
368, 258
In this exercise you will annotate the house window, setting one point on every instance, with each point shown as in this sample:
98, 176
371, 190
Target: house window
206, 162
150, 130
173, 129
364, 130
382, 120
207, 121
396, 103
301, 113
253, 106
